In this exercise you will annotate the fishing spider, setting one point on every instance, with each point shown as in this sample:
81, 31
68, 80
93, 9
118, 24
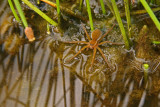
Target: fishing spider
94, 44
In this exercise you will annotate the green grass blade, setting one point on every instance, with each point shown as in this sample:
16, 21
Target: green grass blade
109, 5
151, 14
20, 11
90, 15
58, 11
120, 24
48, 29
13, 11
146, 72
156, 42
128, 16
58, 7
80, 4
103, 7
38, 1
43, 15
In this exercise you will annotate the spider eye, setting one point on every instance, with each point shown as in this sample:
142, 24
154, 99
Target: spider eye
95, 34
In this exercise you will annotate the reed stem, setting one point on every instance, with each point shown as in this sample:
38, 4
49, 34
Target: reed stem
128, 16
20, 11
125, 38
109, 5
80, 4
58, 11
48, 29
43, 15
38, 1
151, 14
28, 30
156, 42
103, 7
90, 15
13, 11
146, 71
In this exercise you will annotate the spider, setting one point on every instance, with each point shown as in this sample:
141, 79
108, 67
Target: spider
94, 44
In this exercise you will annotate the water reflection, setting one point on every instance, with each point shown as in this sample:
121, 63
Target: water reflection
36, 75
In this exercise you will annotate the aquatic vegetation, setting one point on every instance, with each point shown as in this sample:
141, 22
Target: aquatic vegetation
142, 46
146, 71
94, 44
103, 7
21, 13
29, 33
34, 74
80, 4
126, 3
40, 12
58, 11
156, 42
150, 12
13, 10
59, 8
66, 10
28, 30
119, 20
90, 15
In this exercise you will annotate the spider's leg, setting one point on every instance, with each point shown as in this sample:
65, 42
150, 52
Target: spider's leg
83, 42
106, 33
94, 54
86, 33
113, 43
104, 56
78, 53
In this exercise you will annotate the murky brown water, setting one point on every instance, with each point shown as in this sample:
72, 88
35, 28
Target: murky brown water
37, 74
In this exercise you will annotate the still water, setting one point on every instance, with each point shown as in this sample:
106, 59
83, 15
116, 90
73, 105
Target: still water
38, 75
